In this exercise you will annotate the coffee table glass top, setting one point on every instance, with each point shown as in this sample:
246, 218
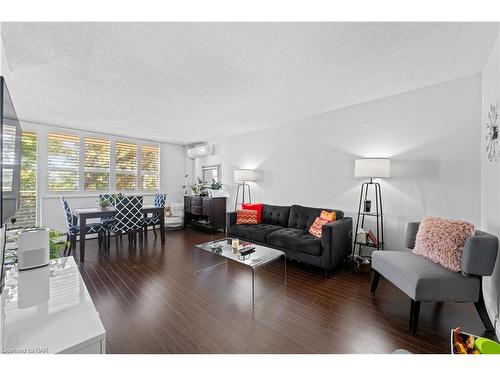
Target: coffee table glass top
261, 256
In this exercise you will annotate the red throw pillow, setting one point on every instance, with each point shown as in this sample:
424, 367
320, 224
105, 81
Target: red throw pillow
246, 217
255, 207
317, 227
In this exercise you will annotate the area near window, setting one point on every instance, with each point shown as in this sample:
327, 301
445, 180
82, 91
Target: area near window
126, 166
63, 162
26, 216
150, 167
96, 164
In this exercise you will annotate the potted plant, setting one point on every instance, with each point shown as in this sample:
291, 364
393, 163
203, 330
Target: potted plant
104, 202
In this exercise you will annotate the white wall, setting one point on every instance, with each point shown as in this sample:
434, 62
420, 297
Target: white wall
432, 136
49, 205
490, 182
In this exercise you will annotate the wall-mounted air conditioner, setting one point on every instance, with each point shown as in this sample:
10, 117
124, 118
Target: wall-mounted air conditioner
199, 150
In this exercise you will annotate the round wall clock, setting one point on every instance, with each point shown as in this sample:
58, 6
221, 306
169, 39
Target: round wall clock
492, 134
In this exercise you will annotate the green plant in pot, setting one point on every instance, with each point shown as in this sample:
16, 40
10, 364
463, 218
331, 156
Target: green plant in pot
215, 185
197, 187
104, 202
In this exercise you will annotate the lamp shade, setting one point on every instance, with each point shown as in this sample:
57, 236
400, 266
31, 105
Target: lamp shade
245, 175
372, 167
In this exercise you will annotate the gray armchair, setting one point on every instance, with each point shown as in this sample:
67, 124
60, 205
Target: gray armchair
426, 281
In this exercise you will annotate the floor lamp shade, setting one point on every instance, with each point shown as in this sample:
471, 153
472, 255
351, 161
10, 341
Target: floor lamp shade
245, 175
372, 168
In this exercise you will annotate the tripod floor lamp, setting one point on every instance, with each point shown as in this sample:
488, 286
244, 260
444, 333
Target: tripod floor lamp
242, 176
370, 168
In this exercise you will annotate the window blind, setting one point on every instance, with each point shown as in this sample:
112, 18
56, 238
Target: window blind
63, 162
126, 166
26, 216
96, 164
150, 167
8, 156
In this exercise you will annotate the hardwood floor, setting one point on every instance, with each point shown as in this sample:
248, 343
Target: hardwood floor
150, 302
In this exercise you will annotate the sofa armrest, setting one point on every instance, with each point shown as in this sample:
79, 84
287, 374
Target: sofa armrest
411, 234
230, 220
479, 254
336, 242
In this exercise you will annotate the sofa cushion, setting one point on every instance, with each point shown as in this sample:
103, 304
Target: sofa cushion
442, 241
275, 215
255, 232
303, 217
256, 207
423, 280
246, 217
295, 239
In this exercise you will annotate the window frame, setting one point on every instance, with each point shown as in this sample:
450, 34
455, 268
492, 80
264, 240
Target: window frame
47, 169
84, 169
44, 179
140, 171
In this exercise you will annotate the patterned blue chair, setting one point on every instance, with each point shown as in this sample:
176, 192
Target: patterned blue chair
73, 229
108, 220
159, 201
128, 218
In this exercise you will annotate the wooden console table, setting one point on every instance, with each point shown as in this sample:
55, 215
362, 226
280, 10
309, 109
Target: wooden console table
205, 212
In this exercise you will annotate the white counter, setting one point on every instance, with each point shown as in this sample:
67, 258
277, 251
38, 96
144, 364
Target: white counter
49, 310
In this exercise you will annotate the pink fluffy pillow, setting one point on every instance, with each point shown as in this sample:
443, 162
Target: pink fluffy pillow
442, 241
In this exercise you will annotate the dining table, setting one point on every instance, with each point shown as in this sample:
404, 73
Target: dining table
83, 214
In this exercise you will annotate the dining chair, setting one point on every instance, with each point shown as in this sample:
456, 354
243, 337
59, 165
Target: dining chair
159, 201
110, 219
128, 218
73, 229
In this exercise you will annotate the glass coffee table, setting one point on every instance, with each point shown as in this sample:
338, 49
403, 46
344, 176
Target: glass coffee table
222, 249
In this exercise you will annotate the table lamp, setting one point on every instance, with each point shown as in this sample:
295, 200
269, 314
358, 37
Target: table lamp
243, 176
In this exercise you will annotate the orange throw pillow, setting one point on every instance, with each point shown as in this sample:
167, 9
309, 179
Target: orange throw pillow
246, 217
317, 227
330, 216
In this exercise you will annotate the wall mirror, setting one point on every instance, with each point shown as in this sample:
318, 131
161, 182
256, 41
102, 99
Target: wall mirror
211, 172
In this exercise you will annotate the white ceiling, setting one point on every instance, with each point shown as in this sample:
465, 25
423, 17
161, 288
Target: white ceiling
187, 82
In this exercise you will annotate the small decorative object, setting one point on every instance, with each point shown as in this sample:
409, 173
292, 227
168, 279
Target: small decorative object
235, 243
492, 134
466, 343
104, 202
245, 253
197, 188
367, 205
186, 184
215, 185
217, 247
373, 239
168, 211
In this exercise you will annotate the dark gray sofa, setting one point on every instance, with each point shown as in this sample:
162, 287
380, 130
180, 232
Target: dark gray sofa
286, 228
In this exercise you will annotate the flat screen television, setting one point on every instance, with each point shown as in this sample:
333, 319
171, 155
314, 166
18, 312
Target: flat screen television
10, 166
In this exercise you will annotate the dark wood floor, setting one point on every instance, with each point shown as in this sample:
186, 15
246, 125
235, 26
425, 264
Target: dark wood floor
150, 302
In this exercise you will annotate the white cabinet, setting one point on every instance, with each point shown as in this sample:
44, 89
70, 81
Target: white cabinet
49, 310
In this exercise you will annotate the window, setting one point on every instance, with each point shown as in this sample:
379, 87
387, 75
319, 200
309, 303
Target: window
63, 162
150, 167
26, 216
126, 166
96, 164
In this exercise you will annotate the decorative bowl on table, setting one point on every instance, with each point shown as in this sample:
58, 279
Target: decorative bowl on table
217, 247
